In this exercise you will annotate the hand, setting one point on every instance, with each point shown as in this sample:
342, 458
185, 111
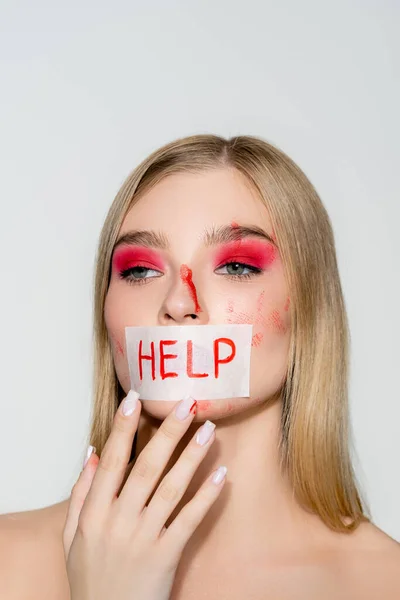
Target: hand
117, 547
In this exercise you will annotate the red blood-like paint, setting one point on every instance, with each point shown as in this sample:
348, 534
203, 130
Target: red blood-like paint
137, 256
204, 405
187, 278
118, 345
276, 322
163, 357
287, 304
222, 361
241, 318
193, 408
151, 357
256, 339
251, 252
189, 362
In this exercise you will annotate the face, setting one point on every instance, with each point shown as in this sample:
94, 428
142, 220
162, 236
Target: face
205, 255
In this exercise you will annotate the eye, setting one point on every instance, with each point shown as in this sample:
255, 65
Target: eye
237, 269
139, 274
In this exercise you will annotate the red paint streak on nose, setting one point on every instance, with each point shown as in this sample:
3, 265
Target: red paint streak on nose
186, 276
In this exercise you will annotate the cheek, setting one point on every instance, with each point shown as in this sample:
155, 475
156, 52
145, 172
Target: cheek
267, 318
116, 320
118, 344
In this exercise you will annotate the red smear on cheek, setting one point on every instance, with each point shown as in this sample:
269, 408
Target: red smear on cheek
118, 345
186, 276
243, 318
276, 322
257, 339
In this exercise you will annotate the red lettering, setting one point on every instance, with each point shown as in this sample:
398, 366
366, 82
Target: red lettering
217, 360
146, 357
164, 357
189, 365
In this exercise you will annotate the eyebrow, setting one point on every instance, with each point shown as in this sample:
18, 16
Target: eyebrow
211, 237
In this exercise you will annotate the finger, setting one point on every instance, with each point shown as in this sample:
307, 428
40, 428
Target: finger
182, 527
176, 481
77, 500
154, 457
114, 458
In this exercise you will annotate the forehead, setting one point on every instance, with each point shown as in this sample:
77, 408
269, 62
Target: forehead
184, 204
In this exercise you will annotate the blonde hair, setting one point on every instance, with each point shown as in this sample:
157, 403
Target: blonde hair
315, 429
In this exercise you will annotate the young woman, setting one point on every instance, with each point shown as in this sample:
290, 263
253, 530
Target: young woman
212, 231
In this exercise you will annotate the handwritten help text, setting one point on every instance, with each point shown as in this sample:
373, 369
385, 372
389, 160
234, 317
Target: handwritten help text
159, 353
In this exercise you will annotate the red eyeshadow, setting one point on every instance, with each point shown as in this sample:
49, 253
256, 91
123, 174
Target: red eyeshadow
135, 256
252, 252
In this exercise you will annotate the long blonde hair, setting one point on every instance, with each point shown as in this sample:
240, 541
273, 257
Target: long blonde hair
315, 429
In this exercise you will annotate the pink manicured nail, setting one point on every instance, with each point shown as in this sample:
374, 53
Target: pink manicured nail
182, 410
219, 475
205, 432
89, 453
130, 403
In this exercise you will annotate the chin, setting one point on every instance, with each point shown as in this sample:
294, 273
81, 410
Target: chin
206, 409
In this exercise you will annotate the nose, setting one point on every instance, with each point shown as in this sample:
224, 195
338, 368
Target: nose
182, 304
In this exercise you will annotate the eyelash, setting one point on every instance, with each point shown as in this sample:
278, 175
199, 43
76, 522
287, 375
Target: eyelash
127, 273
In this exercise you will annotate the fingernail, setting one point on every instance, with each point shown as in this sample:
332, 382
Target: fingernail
130, 403
89, 453
219, 475
182, 410
205, 432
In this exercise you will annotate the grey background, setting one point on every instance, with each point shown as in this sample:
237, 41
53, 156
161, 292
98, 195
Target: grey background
88, 90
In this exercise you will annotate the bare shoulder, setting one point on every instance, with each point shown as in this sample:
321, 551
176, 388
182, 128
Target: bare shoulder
32, 555
370, 562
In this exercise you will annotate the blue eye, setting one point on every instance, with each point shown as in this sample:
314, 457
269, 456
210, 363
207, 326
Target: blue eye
139, 274
238, 270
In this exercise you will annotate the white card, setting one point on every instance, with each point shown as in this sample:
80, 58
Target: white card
203, 361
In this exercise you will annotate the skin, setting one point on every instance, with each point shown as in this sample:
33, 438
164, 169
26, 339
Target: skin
255, 541
256, 521
202, 202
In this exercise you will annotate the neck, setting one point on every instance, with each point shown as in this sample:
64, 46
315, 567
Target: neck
257, 508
